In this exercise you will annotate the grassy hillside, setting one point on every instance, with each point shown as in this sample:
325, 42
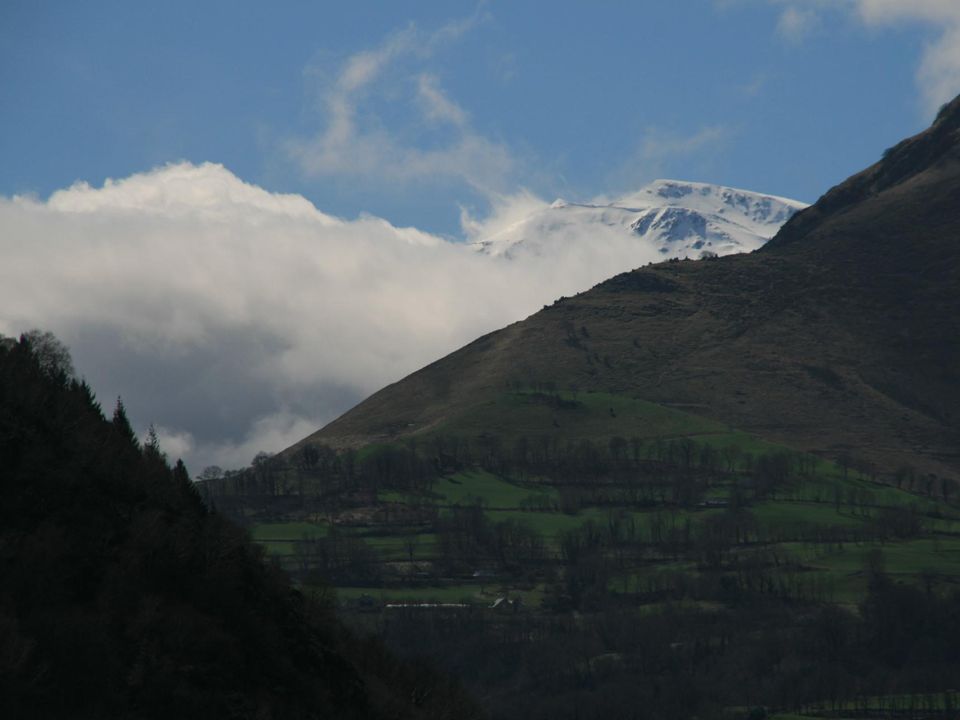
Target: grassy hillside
801, 518
841, 337
566, 576
724, 488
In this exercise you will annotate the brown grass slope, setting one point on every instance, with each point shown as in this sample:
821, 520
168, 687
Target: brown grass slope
841, 335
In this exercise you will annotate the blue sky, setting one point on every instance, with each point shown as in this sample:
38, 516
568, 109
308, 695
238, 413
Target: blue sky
564, 99
291, 181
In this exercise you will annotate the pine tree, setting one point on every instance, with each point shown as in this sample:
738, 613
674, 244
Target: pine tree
151, 446
122, 425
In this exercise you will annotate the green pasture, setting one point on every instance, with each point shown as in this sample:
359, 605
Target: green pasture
397, 547
493, 491
549, 524
280, 538
290, 531
906, 561
590, 415
937, 555
474, 593
599, 416
789, 513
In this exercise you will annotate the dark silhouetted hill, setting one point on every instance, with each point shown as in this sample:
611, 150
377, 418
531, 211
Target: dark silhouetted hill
121, 596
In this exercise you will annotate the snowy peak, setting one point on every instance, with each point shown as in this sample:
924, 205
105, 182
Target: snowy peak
741, 206
669, 218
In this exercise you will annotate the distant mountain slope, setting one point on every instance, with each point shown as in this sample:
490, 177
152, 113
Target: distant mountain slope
842, 335
677, 219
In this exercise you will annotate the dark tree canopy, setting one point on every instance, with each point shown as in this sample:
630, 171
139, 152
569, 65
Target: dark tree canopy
51, 354
122, 596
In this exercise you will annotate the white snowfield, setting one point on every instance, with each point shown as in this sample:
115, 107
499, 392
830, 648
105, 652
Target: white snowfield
678, 219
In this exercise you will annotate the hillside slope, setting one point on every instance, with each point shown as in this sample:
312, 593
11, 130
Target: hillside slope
841, 336
122, 596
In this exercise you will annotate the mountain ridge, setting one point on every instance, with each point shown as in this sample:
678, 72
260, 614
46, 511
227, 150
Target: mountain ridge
840, 336
672, 217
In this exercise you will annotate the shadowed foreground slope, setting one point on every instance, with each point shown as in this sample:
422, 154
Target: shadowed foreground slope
841, 336
121, 596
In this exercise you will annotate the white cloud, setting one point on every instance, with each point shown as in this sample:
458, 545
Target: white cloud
755, 86
175, 443
658, 144
939, 73
930, 10
176, 190
506, 212
437, 106
661, 152
357, 142
239, 320
270, 433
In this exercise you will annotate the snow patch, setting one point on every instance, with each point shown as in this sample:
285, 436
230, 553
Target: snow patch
667, 218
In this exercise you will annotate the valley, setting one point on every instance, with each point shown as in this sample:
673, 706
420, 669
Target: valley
586, 509
480, 361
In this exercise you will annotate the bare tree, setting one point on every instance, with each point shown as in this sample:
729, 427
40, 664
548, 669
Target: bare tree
211, 472
52, 355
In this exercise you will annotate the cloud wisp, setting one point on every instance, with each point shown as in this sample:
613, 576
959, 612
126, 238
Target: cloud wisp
938, 74
659, 151
356, 141
795, 23
239, 320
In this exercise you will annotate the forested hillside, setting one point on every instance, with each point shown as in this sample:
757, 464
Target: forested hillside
123, 596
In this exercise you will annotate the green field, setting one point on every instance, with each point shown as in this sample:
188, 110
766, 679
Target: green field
599, 416
475, 593
591, 415
279, 538
397, 547
908, 561
830, 510
493, 492
264, 532
628, 540
786, 513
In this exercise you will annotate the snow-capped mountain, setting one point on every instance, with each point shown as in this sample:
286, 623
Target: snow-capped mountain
677, 219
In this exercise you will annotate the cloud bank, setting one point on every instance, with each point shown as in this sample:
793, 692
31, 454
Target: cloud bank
238, 320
